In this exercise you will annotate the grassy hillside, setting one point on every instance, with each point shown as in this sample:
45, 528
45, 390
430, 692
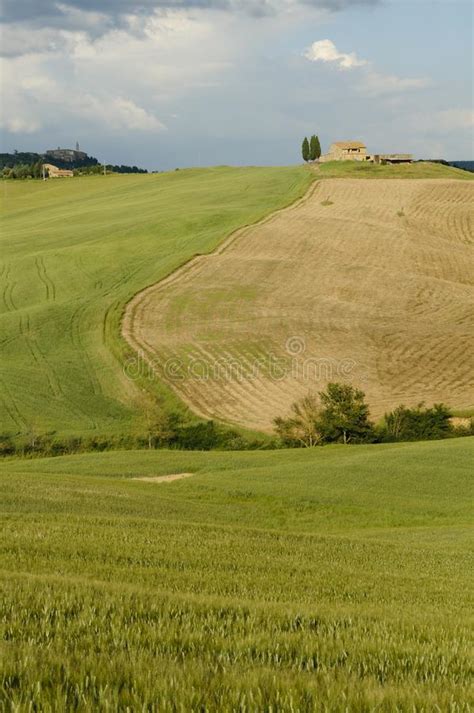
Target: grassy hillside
355, 169
327, 580
75, 251
363, 281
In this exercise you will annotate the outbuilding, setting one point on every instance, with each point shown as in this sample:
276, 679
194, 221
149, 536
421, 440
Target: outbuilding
55, 172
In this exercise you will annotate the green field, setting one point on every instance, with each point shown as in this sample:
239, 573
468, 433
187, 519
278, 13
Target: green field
334, 579
75, 251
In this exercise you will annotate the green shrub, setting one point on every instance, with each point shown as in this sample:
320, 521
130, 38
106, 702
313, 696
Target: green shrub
417, 424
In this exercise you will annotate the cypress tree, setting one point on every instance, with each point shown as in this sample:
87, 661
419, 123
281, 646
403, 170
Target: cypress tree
314, 148
318, 147
305, 149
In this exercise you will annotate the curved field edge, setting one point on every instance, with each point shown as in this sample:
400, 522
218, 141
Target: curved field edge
119, 319
304, 246
130, 310
76, 252
328, 579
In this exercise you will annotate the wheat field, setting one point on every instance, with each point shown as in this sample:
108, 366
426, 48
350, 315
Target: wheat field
366, 281
327, 580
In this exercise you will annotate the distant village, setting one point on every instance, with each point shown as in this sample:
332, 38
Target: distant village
57, 163
61, 156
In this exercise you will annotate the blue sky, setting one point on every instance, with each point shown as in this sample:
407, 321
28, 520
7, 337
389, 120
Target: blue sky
237, 81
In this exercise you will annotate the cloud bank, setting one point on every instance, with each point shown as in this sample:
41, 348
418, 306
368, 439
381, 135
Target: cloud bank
98, 16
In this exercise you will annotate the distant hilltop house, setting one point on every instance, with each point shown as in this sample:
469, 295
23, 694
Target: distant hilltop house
55, 172
66, 155
357, 151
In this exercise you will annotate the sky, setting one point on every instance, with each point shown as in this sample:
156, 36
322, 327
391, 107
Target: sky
173, 83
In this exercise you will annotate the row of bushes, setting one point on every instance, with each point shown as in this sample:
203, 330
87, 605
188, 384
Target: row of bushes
94, 170
338, 415
202, 436
20, 171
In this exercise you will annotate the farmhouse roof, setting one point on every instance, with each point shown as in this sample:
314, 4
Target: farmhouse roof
350, 144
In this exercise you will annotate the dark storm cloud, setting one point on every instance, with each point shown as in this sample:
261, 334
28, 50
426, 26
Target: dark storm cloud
51, 13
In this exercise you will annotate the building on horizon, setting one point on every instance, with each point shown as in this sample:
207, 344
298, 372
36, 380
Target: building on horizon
357, 151
67, 155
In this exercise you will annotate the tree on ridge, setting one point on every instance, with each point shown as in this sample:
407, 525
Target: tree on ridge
314, 148
305, 149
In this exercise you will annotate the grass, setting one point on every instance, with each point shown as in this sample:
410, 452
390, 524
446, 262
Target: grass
327, 580
356, 169
74, 252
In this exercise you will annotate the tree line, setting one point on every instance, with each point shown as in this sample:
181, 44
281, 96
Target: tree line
35, 170
110, 168
341, 415
311, 150
337, 415
23, 170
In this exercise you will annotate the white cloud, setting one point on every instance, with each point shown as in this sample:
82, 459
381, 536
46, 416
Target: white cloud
120, 81
33, 99
326, 51
371, 83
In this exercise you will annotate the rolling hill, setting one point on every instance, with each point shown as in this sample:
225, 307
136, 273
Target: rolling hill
328, 579
369, 281
74, 252
373, 276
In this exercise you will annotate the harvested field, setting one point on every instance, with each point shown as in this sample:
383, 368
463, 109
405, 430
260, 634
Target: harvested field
366, 281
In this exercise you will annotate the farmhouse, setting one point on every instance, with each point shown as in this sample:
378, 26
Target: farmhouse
346, 151
55, 172
357, 151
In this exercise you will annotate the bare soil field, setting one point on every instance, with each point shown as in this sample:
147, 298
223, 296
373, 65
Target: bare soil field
163, 478
370, 282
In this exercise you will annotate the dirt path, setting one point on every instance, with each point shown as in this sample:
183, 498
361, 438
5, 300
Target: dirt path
163, 478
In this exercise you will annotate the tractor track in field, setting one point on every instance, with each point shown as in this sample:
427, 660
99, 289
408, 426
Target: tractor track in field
39, 358
45, 368
7, 292
48, 283
76, 338
11, 408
